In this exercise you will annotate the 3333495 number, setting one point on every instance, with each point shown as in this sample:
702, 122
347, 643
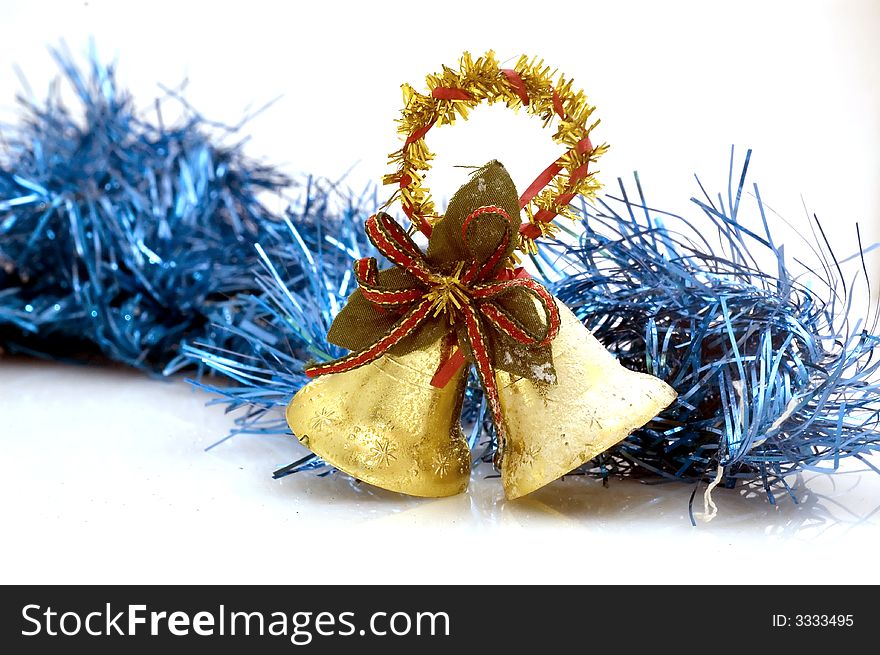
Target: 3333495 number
813, 620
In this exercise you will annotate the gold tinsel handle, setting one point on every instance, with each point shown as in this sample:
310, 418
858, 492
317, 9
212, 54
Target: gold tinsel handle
529, 84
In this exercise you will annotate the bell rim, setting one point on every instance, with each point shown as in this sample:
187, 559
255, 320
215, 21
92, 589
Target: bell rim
381, 483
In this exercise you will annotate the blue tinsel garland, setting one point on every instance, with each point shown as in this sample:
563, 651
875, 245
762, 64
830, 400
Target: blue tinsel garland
772, 376
118, 235
135, 239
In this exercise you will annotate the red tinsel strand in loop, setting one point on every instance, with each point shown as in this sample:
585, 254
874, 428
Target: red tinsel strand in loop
482, 285
544, 215
516, 81
448, 93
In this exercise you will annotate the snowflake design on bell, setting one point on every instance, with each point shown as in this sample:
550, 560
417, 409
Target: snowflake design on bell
441, 464
382, 452
323, 419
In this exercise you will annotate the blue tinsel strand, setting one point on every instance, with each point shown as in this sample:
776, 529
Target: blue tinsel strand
118, 235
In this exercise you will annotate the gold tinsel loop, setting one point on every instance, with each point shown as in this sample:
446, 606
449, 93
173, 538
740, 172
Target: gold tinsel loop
453, 93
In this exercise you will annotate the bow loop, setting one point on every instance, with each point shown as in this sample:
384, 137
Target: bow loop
507, 321
397, 246
480, 223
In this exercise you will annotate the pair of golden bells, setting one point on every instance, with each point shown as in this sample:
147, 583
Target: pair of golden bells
389, 413
560, 398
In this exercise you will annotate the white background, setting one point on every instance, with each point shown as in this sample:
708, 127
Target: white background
103, 477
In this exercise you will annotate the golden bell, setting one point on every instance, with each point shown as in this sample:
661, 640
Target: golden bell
385, 424
554, 428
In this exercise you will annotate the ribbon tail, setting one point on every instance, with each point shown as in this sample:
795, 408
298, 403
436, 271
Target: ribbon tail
483, 362
404, 327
